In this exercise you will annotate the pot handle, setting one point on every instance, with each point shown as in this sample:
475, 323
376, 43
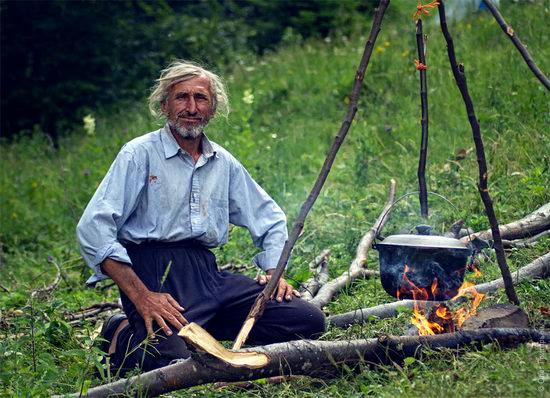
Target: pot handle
403, 197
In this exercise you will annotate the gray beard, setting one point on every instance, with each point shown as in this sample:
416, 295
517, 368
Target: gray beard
192, 132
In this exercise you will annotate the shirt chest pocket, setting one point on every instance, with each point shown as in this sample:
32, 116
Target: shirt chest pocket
217, 218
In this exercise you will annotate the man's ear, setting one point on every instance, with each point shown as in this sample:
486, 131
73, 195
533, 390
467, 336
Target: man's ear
163, 106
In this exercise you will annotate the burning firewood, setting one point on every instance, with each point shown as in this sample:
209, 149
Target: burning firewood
539, 268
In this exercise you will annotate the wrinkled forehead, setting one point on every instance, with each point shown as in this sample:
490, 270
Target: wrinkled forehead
193, 84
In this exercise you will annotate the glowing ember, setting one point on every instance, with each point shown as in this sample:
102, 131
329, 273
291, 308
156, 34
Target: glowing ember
441, 319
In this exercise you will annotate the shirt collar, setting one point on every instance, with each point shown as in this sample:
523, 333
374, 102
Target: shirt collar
171, 147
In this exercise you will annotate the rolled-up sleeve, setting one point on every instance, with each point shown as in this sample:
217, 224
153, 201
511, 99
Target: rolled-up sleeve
251, 207
113, 202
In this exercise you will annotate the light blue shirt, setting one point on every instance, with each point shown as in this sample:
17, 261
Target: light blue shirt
154, 191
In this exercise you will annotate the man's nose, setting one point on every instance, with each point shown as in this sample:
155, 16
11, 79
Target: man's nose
191, 105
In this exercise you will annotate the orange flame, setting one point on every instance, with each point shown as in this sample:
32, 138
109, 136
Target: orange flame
441, 320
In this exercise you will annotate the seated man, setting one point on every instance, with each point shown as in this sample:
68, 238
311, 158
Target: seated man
168, 197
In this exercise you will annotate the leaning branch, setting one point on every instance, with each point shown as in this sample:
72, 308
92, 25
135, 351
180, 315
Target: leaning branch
357, 267
460, 77
260, 303
540, 268
312, 358
519, 45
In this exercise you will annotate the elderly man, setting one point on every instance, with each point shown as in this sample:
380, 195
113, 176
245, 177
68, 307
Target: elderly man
168, 197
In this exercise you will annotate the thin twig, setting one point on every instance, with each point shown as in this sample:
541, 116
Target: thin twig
511, 33
46, 291
423, 190
458, 72
259, 305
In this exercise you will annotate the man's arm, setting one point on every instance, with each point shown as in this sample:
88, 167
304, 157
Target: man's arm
159, 307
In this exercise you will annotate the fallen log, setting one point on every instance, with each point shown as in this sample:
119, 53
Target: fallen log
540, 268
312, 358
357, 268
530, 225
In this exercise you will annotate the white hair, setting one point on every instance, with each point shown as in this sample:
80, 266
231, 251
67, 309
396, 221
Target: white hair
179, 71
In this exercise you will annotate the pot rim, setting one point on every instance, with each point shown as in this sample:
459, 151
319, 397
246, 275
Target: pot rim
424, 241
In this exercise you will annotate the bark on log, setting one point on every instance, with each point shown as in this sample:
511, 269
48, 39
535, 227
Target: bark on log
313, 358
530, 225
540, 268
357, 267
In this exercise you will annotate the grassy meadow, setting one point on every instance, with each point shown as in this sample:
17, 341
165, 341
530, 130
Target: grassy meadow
286, 108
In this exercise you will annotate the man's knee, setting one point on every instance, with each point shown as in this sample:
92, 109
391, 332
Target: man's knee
314, 322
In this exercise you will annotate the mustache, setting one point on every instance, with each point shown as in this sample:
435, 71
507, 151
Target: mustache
190, 115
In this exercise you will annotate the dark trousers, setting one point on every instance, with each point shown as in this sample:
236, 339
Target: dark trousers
218, 301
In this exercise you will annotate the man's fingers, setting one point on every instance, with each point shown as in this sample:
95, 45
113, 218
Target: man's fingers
288, 292
262, 279
174, 303
149, 327
296, 293
281, 290
163, 325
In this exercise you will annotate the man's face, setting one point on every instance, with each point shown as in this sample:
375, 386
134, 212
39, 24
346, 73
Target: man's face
188, 107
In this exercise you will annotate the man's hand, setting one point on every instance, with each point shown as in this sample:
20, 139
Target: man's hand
160, 307
283, 290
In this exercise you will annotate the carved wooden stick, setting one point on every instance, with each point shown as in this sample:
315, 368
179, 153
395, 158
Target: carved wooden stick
519, 45
423, 190
260, 303
458, 72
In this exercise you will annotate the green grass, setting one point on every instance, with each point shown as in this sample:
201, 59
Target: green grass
300, 97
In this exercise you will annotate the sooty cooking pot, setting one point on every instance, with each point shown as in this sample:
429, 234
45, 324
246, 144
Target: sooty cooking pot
428, 258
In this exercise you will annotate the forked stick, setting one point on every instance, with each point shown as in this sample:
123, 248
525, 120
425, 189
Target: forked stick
260, 303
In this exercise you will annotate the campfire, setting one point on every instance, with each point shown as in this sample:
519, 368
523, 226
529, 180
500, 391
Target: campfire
442, 318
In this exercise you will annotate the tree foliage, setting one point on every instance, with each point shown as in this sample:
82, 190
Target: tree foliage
62, 58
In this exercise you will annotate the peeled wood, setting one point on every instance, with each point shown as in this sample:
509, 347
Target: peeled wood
357, 267
260, 303
540, 268
195, 335
312, 358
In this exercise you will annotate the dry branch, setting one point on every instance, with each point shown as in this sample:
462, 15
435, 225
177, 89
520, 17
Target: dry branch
460, 78
46, 291
313, 358
320, 266
511, 33
260, 303
540, 268
530, 225
357, 267
92, 311
423, 190
527, 242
